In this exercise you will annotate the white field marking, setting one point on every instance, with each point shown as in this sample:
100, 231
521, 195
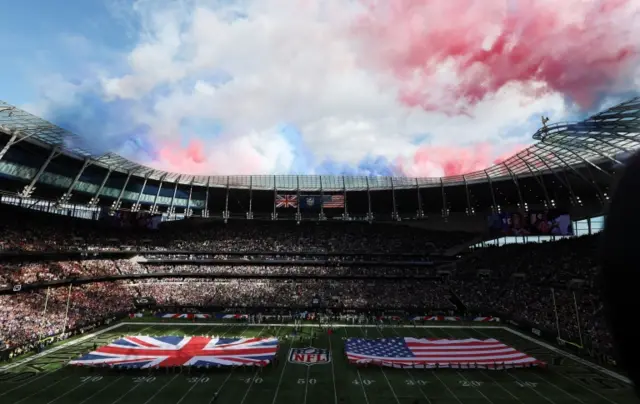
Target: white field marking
65, 393
45, 374
534, 390
560, 388
135, 386
518, 379
160, 389
359, 377
435, 374
187, 392
575, 358
333, 373
41, 390
385, 375
571, 356
409, 373
224, 382
59, 347
306, 383
101, 390
255, 374
492, 379
464, 378
275, 395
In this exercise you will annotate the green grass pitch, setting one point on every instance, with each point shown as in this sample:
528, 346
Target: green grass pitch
43, 379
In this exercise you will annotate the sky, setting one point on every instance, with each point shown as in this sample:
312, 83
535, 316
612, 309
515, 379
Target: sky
352, 87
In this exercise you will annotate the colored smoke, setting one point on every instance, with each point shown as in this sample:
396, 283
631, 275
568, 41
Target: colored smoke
451, 160
582, 49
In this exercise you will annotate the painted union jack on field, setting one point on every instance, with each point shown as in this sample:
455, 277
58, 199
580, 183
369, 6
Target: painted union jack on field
165, 351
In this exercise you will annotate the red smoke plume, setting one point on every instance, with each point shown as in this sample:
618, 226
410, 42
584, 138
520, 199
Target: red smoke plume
446, 161
580, 48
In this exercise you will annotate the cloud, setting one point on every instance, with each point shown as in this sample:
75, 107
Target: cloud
582, 49
286, 86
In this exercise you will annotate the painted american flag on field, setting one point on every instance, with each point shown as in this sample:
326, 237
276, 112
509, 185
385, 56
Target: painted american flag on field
166, 351
431, 353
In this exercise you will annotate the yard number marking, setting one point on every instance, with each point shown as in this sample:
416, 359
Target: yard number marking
365, 382
303, 381
256, 380
410, 382
86, 379
144, 379
469, 383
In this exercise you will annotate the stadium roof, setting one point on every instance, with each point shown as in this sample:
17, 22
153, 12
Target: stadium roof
610, 135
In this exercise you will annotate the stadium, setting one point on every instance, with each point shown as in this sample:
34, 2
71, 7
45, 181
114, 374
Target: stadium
125, 284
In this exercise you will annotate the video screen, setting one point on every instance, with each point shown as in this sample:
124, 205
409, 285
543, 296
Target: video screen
532, 223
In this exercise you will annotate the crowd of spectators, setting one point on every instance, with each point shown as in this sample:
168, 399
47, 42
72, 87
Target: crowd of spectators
32, 316
549, 285
36, 231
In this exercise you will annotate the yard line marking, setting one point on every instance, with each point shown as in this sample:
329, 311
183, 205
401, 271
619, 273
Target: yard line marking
551, 383
386, 378
100, 391
477, 389
561, 389
435, 374
160, 389
188, 391
255, 374
390, 386
501, 386
41, 390
65, 393
517, 378
364, 391
534, 390
333, 373
585, 387
275, 396
306, 385
59, 347
409, 373
135, 386
220, 388
224, 382
571, 356
451, 336
30, 381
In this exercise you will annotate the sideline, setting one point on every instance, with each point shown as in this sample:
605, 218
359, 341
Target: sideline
569, 355
543, 344
59, 347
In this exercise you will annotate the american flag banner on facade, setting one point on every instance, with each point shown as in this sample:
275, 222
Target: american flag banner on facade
431, 353
165, 351
333, 201
286, 201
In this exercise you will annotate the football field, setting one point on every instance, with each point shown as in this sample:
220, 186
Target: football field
44, 378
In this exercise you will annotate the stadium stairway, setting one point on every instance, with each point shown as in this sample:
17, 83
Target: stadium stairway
455, 300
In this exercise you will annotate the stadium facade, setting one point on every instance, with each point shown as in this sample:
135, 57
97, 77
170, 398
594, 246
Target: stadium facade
571, 167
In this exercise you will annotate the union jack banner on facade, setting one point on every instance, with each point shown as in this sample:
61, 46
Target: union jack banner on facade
286, 201
166, 351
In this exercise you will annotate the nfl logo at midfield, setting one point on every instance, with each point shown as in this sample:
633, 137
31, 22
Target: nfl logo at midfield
309, 356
